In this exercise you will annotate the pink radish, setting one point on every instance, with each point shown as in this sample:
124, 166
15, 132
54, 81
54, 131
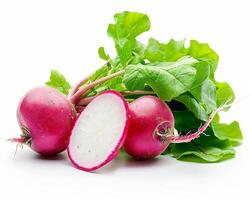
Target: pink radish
147, 114
46, 118
99, 131
152, 128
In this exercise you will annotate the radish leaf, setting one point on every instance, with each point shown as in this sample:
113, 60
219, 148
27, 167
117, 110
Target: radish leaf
58, 82
128, 25
102, 54
225, 95
206, 95
229, 132
193, 105
159, 52
203, 150
168, 80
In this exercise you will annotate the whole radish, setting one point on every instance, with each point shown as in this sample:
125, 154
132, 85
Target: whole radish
149, 114
46, 118
152, 128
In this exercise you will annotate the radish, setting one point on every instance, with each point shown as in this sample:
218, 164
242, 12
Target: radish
99, 132
152, 128
46, 118
148, 114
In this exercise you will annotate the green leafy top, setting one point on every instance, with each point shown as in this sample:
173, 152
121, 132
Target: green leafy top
168, 80
159, 52
59, 82
128, 25
181, 75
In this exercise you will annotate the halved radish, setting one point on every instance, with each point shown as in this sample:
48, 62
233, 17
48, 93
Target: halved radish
99, 131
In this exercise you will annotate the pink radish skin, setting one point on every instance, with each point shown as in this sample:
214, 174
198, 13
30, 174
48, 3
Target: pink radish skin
147, 113
152, 128
85, 146
46, 118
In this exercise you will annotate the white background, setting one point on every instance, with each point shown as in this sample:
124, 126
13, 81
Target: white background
36, 36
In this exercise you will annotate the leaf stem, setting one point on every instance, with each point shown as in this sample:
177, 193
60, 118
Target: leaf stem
192, 136
75, 88
81, 82
85, 101
81, 92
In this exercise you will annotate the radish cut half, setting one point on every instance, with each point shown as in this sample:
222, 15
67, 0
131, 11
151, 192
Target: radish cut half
99, 131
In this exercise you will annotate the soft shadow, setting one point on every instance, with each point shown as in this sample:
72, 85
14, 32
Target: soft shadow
115, 164
135, 163
123, 160
58, 157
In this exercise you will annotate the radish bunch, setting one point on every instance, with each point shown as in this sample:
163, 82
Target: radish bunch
49, 125
146, 99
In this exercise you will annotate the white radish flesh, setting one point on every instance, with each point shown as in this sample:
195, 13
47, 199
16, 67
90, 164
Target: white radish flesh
99, 131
